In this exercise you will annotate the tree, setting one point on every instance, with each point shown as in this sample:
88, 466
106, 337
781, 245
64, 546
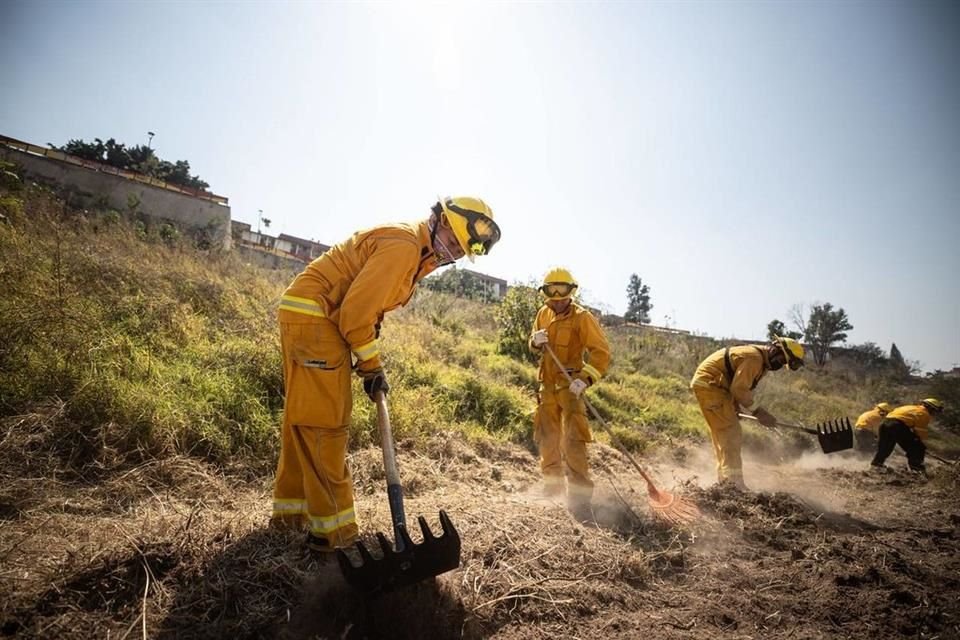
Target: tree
515, 315
638, 301
137, 158
897, 362
777, 328
826, 327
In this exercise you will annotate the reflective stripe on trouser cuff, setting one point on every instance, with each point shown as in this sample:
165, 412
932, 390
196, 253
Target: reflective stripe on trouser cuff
592, 372
302, 305
552, 479
367, 351
325, 524
579, 490
288, 507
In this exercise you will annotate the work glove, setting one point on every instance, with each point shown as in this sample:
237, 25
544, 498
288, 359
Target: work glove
373, 381
764, 417
539, 338
577, 387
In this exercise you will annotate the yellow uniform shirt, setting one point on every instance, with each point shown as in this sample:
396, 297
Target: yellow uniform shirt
914, 416
357, 281
748, 363
572, 335
870, 420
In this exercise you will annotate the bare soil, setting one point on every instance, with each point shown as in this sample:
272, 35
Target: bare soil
820, 548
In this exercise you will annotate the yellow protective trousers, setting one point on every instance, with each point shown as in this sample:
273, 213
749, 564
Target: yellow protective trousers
313, 486
561, 432
717, 407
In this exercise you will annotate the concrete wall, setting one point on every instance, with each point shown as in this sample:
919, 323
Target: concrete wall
270, 260
91, 186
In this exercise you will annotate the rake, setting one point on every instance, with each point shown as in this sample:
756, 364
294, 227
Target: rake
668, 507
833, 435
404, 562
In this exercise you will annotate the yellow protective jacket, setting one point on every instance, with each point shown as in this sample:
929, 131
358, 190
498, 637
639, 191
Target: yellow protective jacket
357, 281
914, 416
747, 365
870, 420
572, 335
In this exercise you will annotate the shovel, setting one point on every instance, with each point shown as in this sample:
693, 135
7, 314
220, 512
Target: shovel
665, 506
404, 562
833, 435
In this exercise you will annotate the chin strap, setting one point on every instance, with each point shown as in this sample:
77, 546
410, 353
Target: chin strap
434, 241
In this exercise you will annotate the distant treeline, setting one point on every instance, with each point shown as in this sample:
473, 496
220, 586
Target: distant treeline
139, 158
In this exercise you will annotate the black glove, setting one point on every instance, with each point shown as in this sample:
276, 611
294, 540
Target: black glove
374, 381
764, 417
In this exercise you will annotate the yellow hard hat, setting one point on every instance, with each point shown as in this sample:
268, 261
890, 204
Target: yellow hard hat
558, 284
884, 407
932, 404
472, 223
792, 351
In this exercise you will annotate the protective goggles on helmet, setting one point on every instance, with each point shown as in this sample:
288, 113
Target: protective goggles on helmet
793, 361
482, 231
557, 290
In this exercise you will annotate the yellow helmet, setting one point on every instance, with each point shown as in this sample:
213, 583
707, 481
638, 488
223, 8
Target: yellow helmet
472, 222
884, 408
558, 284
792, 351
932, 404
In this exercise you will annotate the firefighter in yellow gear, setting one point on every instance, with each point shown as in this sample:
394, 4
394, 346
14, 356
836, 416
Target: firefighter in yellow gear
560, 428
907, 426
724, 384
334, 309
867, 426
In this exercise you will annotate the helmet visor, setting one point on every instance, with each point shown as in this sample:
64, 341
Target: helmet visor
558, 289
482, 231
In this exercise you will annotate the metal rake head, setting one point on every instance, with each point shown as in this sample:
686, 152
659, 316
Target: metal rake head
406, 563
835, 435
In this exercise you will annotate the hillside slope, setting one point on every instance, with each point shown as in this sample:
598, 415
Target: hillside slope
140, 399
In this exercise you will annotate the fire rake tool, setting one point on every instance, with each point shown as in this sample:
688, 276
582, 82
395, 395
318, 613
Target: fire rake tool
404, 562
671, 508
833, 435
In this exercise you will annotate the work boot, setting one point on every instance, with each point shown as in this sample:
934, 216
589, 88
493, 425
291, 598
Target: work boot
878, 468
920, 471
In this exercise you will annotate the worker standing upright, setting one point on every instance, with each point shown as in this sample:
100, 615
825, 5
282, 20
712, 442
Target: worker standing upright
332, 309
560, 425
724, 384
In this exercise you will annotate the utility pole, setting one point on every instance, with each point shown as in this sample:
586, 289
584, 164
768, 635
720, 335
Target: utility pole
150, 139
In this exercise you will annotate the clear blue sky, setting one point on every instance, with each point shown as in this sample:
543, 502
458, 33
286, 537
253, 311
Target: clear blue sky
740, 157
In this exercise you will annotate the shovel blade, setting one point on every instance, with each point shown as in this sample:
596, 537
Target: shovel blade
835, 435
414, 563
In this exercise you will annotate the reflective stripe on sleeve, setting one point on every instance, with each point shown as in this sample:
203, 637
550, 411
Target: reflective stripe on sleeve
327, 524
592, 372
302, 305
367, 351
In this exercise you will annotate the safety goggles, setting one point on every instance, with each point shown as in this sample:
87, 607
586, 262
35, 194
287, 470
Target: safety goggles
482, 232
558, 289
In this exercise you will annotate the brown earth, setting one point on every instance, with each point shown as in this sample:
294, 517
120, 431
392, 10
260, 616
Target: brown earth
173, 549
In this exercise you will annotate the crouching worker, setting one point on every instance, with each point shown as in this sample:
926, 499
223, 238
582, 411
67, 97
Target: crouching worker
724, 385
560, 427
868, 426
907, 426
332, 309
